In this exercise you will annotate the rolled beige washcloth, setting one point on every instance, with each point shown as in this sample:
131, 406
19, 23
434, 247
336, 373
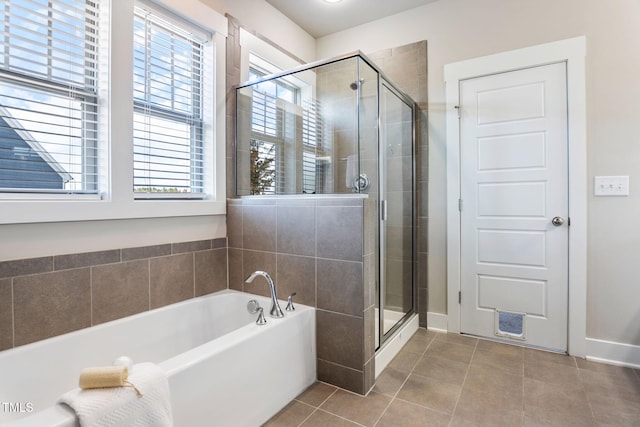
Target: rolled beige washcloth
103, 377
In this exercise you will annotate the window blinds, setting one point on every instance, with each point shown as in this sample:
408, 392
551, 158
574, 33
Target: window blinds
168, 124
48, 96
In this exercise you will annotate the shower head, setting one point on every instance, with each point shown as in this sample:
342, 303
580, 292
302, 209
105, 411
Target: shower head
356, 85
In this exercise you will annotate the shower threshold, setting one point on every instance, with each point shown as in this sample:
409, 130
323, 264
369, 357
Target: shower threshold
393, 345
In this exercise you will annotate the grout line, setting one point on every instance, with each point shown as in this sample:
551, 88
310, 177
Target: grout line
593, 415
395, 395
317, 408
386, 408
463, 383
302, 403
329, 396
309, 416
524, 380
339, 416
409, 402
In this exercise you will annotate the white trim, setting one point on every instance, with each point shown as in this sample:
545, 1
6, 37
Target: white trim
572, 51
392, 347
613, 353
437, 322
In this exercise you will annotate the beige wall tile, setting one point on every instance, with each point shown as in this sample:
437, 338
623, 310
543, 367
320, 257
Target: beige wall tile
6, 314
297, 274
119, 290
210, 271
340, 339
340, 286
172, 279
50, 304
65, 262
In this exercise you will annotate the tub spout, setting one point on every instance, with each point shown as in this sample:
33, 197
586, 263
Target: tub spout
275, 307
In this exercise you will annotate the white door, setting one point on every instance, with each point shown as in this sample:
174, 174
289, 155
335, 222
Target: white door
514, 206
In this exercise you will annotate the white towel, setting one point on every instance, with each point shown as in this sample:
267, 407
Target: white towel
122, 406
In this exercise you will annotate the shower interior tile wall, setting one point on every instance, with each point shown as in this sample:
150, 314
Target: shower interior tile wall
48, 296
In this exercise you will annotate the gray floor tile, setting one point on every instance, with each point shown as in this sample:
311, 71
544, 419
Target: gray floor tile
321, 418
462, 381
434, 394
405, 414
316, 394
441, 369
449, 350
292, 415
365, 410
556, 403
390, 381
493, 380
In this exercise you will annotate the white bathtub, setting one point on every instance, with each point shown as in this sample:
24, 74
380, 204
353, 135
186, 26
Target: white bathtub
223, 369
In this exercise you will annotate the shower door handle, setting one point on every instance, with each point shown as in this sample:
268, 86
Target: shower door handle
383, 210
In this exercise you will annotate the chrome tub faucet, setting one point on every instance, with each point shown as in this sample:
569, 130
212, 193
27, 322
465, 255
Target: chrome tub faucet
275, 307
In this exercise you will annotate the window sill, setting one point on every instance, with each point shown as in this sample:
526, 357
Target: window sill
170, 196
23, 211
31, 197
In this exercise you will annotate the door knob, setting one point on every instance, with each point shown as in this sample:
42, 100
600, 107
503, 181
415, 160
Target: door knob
557, 221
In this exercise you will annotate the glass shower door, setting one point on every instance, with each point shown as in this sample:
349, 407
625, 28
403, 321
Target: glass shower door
397, 209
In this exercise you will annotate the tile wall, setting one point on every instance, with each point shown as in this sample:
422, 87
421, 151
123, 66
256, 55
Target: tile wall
48, 296
317, 248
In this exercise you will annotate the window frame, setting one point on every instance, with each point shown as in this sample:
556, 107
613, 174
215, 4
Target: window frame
153, 20
116, 199
51, 89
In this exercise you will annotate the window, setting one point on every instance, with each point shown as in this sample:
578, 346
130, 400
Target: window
268, 133
282, 118
48, 96
106, 102
168, 123
314, 166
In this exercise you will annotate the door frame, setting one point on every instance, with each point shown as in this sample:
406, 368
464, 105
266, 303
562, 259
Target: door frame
573, 52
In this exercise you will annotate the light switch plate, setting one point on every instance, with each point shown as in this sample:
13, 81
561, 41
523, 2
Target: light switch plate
611, 186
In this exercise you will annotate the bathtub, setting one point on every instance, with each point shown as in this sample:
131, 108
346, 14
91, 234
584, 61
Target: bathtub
223, 369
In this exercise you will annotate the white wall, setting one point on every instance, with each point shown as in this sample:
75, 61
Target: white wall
267, 21
463, 29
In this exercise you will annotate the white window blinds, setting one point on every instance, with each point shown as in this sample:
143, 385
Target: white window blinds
168, 120
48, 96
270, 131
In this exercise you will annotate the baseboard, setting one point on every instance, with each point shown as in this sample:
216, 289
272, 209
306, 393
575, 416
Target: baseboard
437, 322
614, 353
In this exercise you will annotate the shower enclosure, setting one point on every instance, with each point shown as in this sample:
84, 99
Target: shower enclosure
341, 128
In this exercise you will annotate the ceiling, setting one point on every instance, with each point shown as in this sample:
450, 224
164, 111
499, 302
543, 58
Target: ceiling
319, 18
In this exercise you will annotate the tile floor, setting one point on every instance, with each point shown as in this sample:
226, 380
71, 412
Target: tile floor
452, 380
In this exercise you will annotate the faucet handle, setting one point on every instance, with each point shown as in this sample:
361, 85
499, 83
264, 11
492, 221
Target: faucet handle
261, 320
290, 306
